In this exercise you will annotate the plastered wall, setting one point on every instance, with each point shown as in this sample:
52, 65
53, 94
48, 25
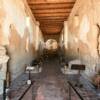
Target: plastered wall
18, 33
83, 34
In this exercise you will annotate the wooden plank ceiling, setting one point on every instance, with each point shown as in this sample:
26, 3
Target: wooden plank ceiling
51, 13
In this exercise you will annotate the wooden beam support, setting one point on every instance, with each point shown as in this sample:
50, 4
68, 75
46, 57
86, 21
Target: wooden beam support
61, 11
57, 27
51, 24
50, 6
48, 24
33, 8
50, 29
52, 15
53, 32
50, 34
52, 18
45, 35
50, 1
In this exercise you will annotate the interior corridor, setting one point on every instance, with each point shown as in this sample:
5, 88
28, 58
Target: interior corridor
51, 83
47, 85
49, 49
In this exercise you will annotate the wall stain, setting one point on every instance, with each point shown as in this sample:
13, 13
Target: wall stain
98, 42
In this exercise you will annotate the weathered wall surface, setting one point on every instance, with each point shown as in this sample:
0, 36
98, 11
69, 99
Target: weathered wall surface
83, 34
18, 32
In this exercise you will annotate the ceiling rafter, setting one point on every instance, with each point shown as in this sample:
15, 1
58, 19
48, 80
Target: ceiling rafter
51, 17
51, 13
50, 1
51, 24
49, 6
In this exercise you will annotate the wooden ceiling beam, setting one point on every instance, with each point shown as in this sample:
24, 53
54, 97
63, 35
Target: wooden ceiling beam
51, 28
51, 18
48, 22
33, 8
51, 11
50, 1
52, 15
50, 34
51, 31
51, 24
59, 24
51, 6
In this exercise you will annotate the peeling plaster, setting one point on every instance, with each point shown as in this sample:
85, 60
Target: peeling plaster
6, 26
66, 30
76, 21
84, 28
19, 19
20, 35
27, 44
87, 33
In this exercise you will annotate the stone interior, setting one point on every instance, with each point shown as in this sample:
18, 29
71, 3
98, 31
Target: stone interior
26, 25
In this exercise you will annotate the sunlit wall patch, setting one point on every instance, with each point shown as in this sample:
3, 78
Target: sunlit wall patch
84, 28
